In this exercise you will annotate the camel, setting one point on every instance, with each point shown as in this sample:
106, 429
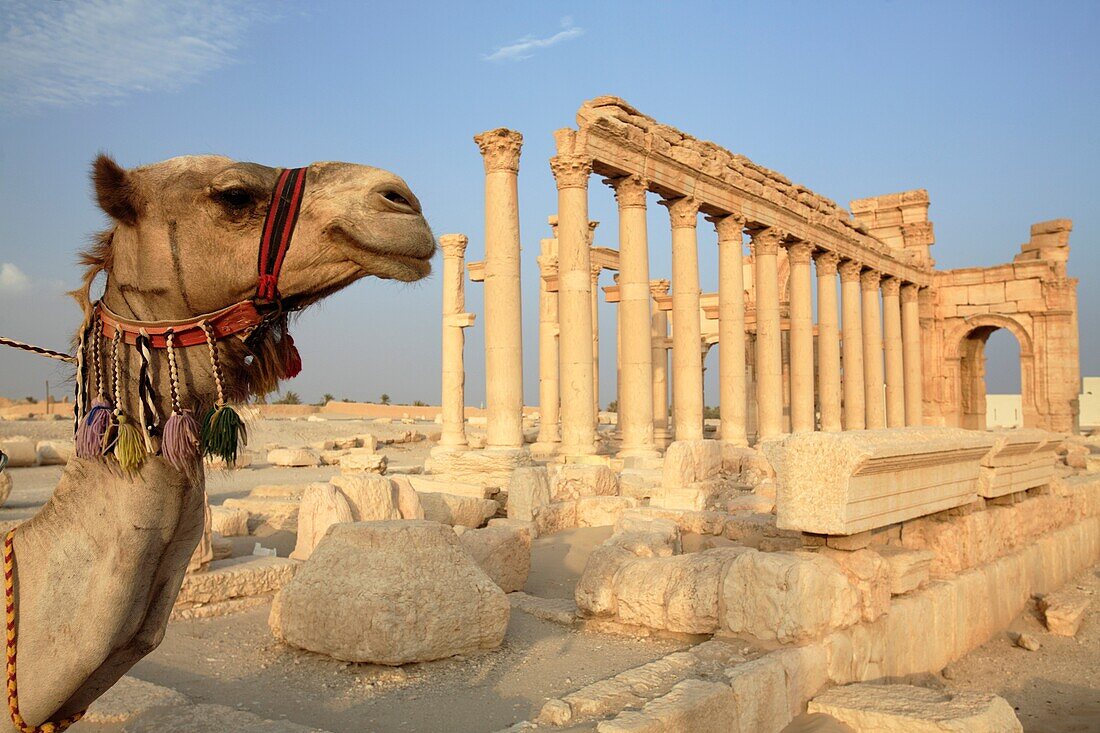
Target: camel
98, 569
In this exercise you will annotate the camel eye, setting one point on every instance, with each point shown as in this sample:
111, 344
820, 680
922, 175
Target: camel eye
236, 198
397, 198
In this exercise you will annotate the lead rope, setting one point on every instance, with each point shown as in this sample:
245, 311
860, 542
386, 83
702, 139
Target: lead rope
13, 689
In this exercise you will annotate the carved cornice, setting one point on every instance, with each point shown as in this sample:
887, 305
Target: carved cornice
730, 227
500, 149
683, 212
891, 286
910, 293
870, 279
826, 262
799, 253
571, 171
595, 269
630, 191
767, 241
454, 245
850, 270
659, 287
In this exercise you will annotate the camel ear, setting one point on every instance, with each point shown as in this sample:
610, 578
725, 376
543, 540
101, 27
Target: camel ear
114, 190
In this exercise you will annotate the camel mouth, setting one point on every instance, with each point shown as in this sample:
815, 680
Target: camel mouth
411, 263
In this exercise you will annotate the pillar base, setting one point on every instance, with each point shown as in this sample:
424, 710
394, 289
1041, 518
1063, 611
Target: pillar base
545, 448
639, 453
491, 467
662, 438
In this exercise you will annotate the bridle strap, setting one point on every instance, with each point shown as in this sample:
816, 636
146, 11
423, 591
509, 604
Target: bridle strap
238, 318
282, 215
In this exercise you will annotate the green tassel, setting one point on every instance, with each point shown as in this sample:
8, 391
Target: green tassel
129, 445
223, 434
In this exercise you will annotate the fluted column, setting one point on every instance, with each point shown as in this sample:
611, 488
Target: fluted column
732, 399
802, 338
895, 371
687, 361
769, 348
828, 341
578, 420
855, 417
911, 354
873, 381
500, 150
635, 350
595, 286
658, 337
549, 390
455, 319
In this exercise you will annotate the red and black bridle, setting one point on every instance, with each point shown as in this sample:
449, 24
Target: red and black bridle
240, 318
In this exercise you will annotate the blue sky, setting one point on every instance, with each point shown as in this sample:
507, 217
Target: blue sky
992, 107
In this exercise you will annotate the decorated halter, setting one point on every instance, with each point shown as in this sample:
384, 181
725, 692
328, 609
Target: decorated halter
103, 429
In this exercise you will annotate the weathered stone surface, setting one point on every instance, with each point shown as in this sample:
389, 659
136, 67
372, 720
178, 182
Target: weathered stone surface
677, 593
236, 577
455, 510
450, 486
55, 452
759, 691
370, 497
600, 511
362, 460
1064, 610
1020, 459
554, 517
289, 457
408, 501
908, 709
229, 522
869, 574
791, 597
391, 593
279, 491
267, 513
323, 505
492, 467
528, 488
691, 461
909, 569
20, 451
503, 552
130, 697
692, 705
576, 480
595, 592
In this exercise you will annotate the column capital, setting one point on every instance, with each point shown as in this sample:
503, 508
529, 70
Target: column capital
571, 171
683, 212
767, 241
595, 270
891, 286
630, 191
870, 279
799, 252
730, 227
659, 287
500, 149
453, 245
849, 270
826, 262
910, 293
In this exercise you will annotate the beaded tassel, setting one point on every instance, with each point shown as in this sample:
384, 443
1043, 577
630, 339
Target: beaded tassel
223, 432
180, 439
92, 433
148, 419
123, 437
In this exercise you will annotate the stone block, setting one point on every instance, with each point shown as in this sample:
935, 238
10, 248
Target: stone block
850, 482
293, 457
554, 517
595, 590
267, 513
986, 294
503, 552
678, 593
352, 600
1064, 610
369, 497
528, 488
237, 577
576, 480
692, 705
691, 461
20, 451
362, 460
869, 574
55, 452
323, 505
908, 709
229, 522
490, 467
456, 510
1019, 460
908, 569
450, 486
759, 692
600, 511
1023, 289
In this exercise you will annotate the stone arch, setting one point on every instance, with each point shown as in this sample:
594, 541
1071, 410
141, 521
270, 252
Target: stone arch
965, 355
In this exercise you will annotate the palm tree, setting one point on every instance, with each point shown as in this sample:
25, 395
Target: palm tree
385, 399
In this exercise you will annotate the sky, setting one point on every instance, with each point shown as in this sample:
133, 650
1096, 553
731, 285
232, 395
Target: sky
991, 107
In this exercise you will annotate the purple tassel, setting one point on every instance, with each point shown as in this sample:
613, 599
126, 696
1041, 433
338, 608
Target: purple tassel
89, 436
180, 441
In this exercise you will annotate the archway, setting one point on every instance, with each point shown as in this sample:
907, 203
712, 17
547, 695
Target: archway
969, 353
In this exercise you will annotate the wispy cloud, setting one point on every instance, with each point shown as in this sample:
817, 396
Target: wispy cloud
82, 51
523, 48
13, 281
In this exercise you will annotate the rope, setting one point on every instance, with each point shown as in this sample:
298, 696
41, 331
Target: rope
37, 350
173, 373
147, 396
215, 365
118, 371
13, 689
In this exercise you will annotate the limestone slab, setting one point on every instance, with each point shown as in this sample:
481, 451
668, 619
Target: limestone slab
908, 709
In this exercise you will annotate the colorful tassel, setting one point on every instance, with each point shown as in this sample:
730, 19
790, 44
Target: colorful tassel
223, 433
292, 366
180, 441
130, 450
93, 429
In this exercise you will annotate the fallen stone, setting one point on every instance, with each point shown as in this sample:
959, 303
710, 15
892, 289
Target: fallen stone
293, 457
279, 491
576, 480
691, 461
20, 451
237, 577
1027, 641
267, 513
601, 511
229, 522
370, 497
457, 510
449, 486
128, 698
528, 488
555, 517
391, 593
908, 709
760, 693
55, 452
1064, 610
503, 552
360, 460
323, 505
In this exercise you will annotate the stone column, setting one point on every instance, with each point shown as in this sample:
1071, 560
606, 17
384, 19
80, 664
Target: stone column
769, 345
500, 149
595, 285
855, 417
549, 391
828, 341
911, 354
802, 338
578, 421
455, 318
687, 362
895, 371
873, 380
732, 400
658, 337
636, 389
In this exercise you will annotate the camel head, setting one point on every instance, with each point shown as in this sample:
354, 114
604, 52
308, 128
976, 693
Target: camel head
187, 231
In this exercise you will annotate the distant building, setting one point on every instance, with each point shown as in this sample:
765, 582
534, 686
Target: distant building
1006, 410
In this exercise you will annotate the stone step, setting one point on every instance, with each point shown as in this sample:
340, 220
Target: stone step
233, 579
556, 610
